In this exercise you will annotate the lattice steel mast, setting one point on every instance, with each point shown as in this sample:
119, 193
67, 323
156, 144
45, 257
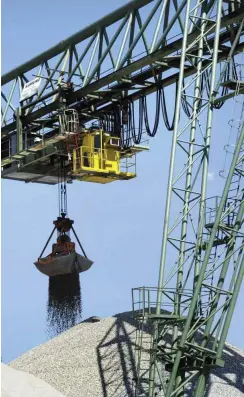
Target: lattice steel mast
198, 309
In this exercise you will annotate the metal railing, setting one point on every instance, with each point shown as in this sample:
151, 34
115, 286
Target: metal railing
144, 301
98, 159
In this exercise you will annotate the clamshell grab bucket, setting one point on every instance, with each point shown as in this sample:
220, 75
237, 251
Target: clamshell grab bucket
63, 259
63, 264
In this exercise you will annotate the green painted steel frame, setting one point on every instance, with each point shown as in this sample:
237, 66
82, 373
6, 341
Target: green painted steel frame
197, 150
68, 61
195, 51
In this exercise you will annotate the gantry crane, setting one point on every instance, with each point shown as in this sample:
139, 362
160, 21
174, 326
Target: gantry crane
84, 102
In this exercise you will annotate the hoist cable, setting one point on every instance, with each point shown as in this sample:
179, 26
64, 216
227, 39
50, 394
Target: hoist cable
62, 188
59, 208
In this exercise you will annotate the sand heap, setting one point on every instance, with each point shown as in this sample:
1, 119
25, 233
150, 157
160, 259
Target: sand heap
96, 359
20, 384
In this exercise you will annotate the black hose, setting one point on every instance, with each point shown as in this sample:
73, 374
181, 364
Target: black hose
184, 103
114, 123
152, 132
170, 127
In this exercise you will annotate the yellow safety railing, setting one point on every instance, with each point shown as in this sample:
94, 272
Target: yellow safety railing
128, 164
102, 160
96, 159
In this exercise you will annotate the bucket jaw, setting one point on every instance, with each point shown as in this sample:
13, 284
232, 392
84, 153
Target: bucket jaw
63, 259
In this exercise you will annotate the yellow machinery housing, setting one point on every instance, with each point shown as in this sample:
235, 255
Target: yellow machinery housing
100, 159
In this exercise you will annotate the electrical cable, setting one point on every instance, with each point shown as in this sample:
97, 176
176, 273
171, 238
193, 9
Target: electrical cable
170, 127
152, 132
184, 103
114, 123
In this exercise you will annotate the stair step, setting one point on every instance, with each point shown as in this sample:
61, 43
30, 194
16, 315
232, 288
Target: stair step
7, 161
18, 156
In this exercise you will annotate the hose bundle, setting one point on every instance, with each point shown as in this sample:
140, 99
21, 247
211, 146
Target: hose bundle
121, 120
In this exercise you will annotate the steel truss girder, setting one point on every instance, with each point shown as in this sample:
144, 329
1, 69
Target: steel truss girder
75, 39
69, 61
96, 104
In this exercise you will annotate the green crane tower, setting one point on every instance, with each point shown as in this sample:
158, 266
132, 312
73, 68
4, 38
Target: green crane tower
193, 304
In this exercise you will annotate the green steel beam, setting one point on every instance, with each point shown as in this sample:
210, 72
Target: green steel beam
75, 39
30, 114
224, 98
229, 252
19, 130
146, 91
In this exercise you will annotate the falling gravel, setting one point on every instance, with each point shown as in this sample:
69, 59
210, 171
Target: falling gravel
64, 303
96, 358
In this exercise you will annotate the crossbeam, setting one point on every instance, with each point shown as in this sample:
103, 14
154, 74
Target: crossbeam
141, 62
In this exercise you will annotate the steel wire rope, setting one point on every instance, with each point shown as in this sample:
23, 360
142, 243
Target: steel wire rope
62, 188
59, 192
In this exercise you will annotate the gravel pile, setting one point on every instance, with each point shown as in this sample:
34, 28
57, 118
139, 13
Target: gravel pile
96, 358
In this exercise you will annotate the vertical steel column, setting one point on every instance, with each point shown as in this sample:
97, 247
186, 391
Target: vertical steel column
203, 377
168, 200
202, 273
207, 141
19, 130
232, 286
203, 188
8, 103
239, 280
228, 256
188, 182
172, 161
